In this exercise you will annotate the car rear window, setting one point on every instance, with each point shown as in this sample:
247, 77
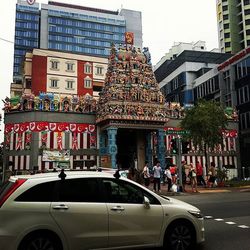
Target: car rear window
39, 193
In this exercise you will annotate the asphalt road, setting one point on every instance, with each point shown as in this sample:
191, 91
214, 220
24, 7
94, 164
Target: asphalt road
227, 220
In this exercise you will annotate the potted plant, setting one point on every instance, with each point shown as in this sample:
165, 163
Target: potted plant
221, 176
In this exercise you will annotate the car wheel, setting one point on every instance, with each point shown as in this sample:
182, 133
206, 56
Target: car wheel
40, 241
180, 236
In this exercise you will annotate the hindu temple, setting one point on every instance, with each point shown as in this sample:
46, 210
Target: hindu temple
131, 109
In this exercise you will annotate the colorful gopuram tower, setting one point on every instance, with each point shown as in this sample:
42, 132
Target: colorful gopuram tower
130, 105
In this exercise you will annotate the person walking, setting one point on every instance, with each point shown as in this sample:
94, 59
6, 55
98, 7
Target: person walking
157, 177
211, 175
184, 175
173, 170
146, 175
193, 177
168, 178
200, 179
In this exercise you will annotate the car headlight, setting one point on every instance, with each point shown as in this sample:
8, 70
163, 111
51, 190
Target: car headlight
196, 214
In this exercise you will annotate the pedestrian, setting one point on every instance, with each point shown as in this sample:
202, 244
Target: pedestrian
211, 175
157, 177
168, 178
193, 177
200, 179
173, 170
184, 175
146, 175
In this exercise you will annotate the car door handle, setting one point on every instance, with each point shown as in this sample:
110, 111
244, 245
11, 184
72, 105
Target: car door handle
60, 207
118, 208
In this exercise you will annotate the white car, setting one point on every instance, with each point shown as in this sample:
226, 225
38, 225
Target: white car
92, 210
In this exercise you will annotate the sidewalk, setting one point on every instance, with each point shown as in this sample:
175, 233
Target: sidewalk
201, 190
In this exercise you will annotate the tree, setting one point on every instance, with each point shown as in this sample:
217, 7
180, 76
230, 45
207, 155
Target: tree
205, 122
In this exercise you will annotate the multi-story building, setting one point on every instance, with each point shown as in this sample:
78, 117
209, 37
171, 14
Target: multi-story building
26, 34
233, 18
176, 76
61, 73
71, 28
178, 48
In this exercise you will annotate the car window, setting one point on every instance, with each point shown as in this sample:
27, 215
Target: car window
42, 192
120, 191
78, 190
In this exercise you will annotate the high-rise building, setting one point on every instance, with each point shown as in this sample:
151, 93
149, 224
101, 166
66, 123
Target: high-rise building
233, 18
71, 28
26, 34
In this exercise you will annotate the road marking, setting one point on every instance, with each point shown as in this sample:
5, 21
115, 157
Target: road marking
208, 217
243, 226
230, 223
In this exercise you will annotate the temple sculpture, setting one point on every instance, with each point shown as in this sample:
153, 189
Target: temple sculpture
131, 91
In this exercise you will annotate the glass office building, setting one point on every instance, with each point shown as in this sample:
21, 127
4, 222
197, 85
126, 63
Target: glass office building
72, 28
26, 35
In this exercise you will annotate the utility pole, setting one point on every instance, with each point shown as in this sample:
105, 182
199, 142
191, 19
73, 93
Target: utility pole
179, 167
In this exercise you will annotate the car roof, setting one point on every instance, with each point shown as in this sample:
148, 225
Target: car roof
54, 175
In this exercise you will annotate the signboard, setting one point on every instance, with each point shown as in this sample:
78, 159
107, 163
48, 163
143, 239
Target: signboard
177, 132
56, 155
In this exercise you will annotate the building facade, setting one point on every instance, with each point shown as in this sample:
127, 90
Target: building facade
71, 28
233, 17
61, 73
234, 75
27, 25
176, 77
178, 48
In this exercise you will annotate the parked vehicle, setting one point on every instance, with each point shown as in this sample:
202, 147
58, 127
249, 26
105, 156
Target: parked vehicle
92, 210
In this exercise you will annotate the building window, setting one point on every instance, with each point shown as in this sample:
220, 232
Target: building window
247, 22
87, 83
87, 68
227, 35
70, 66
247, 12
70, 84
99, 70
54, 65
54, 83
225, 7
227, 44
225, 17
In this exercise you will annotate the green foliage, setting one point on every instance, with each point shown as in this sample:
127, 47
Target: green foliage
204, 122
221, 174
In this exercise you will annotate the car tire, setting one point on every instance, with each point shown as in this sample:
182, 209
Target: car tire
180, 236
41, 240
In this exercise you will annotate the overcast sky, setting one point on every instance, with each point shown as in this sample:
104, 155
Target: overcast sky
163, 23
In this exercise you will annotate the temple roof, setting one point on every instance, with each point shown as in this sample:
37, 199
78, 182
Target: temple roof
131, 91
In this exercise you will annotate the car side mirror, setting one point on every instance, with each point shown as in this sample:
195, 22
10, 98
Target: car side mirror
146, 202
